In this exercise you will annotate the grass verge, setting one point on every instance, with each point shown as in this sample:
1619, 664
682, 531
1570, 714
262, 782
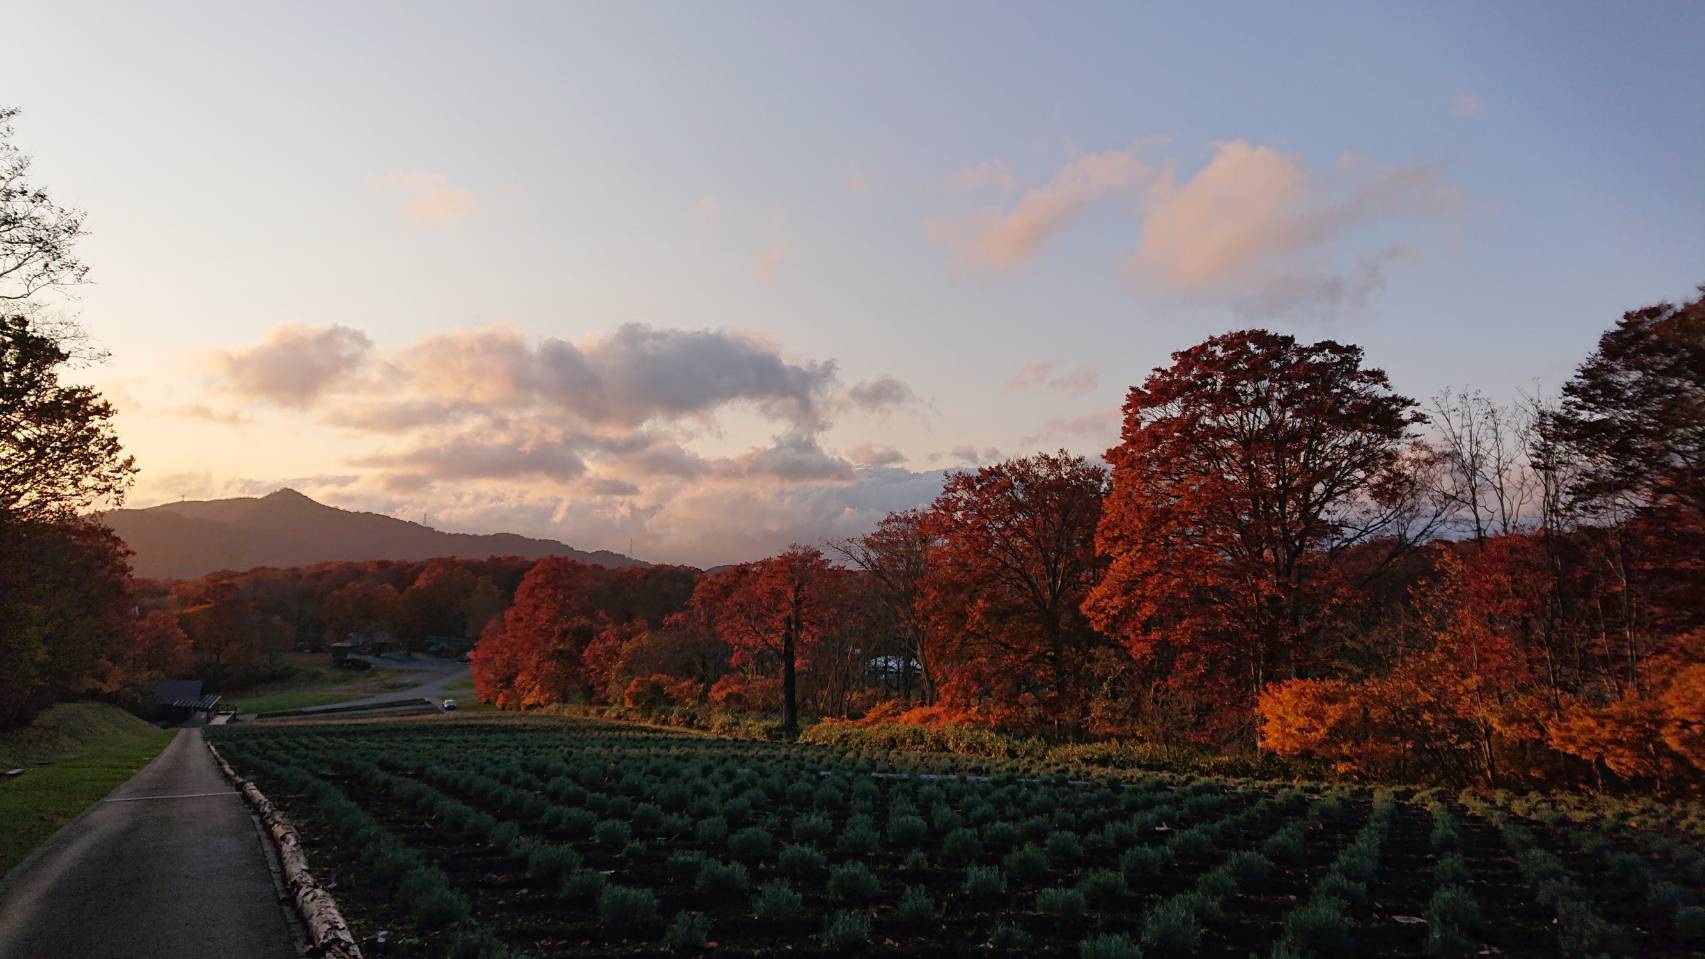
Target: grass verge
314, 681
73, 754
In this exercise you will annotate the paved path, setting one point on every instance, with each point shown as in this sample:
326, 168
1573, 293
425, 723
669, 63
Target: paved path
168, 865
430, 674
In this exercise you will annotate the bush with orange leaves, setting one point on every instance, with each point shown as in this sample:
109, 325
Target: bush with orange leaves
1654, 735
747, 693
658, 691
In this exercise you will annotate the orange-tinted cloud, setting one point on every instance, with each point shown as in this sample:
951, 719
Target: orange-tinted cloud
1254, 225
294, 364
1000, 239
428, 198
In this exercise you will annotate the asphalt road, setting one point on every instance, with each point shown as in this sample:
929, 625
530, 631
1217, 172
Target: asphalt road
169, 865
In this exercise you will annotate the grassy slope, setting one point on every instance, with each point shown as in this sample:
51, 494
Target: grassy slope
75, 753
462, 691
315, 682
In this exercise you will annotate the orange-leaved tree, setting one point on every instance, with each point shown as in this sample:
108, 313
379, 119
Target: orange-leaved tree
1245, 472
772, 612
1012, 560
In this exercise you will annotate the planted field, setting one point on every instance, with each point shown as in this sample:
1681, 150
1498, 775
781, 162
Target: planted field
476, 839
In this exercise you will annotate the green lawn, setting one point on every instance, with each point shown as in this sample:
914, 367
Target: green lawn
74, 754
316, 682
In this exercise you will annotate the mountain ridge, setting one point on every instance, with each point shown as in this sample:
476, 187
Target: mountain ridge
285, 528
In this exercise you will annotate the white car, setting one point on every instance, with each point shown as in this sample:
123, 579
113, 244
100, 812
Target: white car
449, 705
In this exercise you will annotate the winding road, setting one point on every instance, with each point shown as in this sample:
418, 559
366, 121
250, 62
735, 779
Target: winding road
170, 864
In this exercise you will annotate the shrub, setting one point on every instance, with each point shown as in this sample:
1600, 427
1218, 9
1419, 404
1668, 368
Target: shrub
1284, 845
801, 860
584, 884
438, 907
1450, 870
550, 862
985, 883
648, 817
626, 907
1027, 863
684, 864
859, 838
812, 827
1063, 846
690, 930
1582, 932
1319, 928
1172, 928
847, 931
1102, 886
478, 944
1217, 884
724, 880
1451, 914
915, 861
751, 844
1140, 862
1112, 946
776, 900
1337, 886
579, 821
1195, 843
1068, 903
1444, 837
916, 908
1002, 836
1006, 937
612, 832
711, 829
906, 831
1248, 868
854, 882
961, 847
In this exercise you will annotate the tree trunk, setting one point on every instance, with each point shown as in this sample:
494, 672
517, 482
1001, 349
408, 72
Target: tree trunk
789, 705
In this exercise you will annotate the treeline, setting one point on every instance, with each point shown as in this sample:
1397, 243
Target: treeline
236, 625
1280, 552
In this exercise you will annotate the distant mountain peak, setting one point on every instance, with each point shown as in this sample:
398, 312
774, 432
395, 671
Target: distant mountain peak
284, 528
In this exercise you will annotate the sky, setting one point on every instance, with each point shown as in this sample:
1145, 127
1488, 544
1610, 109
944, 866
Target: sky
702, 280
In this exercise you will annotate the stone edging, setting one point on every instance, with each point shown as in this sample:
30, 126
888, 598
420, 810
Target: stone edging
327, 931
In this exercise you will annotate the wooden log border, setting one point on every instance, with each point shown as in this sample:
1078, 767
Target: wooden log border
328, 932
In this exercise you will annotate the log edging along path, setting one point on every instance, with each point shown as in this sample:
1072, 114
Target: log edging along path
326, 927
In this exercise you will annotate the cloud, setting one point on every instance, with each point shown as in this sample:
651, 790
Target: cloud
708, 208
791, 458
1077, 381
1000, 239
209, 414
769, 263
607, 486
428, 198
1100, 429
989, 174
483, 457
294, 364
591, 441
1254, 226
867, 455
636, 373
880, 395
968, 455
858, 182
1467, 105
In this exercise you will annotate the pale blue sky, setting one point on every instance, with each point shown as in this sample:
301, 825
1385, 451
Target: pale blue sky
1522, 174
